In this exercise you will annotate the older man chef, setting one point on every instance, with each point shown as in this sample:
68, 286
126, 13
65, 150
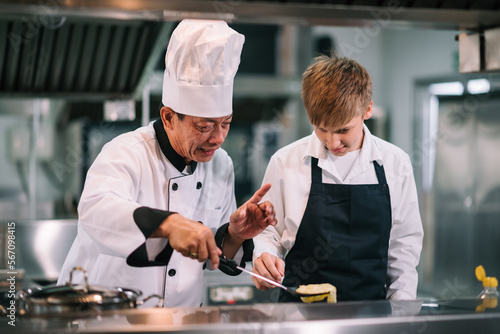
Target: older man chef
154, 198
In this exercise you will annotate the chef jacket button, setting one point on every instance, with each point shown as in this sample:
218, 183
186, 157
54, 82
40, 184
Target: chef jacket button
171, 272
198, 185
175, 187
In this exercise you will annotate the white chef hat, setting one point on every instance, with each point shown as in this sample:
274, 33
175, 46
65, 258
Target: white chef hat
201, 62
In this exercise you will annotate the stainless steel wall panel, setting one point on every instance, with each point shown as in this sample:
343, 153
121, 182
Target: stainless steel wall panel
41, 246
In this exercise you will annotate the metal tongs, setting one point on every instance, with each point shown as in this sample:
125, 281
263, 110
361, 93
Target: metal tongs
291, 290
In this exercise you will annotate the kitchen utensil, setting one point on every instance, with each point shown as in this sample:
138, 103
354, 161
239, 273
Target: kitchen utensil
291, 290
71, 299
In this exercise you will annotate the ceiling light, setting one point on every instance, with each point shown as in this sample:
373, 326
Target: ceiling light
478, 86
447, 88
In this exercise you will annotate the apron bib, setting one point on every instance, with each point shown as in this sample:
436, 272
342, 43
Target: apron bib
343, 239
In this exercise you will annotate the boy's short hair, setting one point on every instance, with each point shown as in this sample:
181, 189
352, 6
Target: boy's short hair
334, 90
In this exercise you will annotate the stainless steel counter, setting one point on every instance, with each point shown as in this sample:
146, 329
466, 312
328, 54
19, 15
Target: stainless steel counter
423, 316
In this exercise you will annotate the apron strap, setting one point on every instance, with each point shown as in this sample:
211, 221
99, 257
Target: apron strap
379, 170
316, 174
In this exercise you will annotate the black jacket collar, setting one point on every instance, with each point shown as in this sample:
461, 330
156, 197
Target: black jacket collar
167, 149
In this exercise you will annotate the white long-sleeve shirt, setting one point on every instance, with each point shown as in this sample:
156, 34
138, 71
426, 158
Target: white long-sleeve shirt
289, 172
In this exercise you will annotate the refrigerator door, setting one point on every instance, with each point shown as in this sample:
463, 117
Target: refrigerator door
458, 179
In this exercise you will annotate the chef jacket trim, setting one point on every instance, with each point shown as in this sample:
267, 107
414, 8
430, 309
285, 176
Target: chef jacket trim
247, 246
166, 147
148, 220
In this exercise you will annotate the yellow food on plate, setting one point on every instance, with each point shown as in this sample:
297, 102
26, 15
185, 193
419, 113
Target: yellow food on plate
326, 290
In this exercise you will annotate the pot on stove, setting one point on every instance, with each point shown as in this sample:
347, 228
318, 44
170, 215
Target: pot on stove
77, 300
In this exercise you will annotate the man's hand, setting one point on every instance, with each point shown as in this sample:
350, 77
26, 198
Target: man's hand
269, 266
191, 239
252, 217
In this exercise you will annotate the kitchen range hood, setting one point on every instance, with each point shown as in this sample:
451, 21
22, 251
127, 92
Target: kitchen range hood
70, 57
106, 49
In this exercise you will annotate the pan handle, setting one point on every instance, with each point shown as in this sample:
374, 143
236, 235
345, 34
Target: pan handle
85, 276
161, 301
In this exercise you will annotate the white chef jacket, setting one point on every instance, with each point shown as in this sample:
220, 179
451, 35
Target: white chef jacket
128, 189
289, 172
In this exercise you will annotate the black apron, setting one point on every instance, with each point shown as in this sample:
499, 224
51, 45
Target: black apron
343, 239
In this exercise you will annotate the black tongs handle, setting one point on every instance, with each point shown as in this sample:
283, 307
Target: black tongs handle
230, 264
225, 265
